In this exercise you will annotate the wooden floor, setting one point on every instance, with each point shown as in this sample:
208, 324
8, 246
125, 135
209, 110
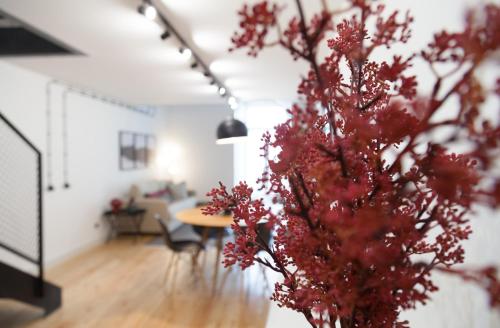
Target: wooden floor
121, 284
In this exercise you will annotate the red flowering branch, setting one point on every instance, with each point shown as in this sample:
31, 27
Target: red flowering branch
374, 192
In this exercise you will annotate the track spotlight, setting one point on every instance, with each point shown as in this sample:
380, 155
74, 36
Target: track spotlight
165, 35
233, 103
185, 52
148, 10
222, 91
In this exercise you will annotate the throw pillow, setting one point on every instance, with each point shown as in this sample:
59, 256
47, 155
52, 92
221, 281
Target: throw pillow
168, 197
156, 194
179, 190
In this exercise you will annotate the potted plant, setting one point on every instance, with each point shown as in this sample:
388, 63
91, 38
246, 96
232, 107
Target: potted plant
376, 189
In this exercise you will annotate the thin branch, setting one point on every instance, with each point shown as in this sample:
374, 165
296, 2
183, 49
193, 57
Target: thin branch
324, 4
370, 103
294, 50
304, 187
267, 264
310, 53
304, 211
435, 105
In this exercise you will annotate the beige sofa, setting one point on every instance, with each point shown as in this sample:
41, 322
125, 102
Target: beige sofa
159, 206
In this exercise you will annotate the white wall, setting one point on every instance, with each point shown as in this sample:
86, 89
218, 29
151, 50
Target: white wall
456, 304
191, 131
73, 216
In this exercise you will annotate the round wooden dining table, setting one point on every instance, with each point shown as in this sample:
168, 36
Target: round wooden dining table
195, 217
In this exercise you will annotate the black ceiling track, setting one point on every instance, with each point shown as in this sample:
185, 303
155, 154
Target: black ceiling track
18, 38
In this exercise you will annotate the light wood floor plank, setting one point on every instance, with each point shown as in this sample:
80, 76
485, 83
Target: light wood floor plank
120, 284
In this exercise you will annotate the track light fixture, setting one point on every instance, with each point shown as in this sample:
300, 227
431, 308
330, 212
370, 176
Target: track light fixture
185, 52
165, 35
148, 10
232, 102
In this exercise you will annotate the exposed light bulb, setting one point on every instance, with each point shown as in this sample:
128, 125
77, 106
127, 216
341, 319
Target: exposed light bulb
148, 10
186, 52
233, 103
222, 91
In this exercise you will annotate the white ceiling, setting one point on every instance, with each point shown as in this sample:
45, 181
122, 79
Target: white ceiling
126, 59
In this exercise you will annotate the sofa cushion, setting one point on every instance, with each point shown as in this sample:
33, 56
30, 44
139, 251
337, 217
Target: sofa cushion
140, 189
179, 191
157, 194
182, 204
176, 206
151, 186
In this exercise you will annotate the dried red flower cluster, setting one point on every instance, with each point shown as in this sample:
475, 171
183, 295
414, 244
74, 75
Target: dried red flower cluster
375, 188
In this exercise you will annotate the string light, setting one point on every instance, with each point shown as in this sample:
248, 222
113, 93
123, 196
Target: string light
222, 91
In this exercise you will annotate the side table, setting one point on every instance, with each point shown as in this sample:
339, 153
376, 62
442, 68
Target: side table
134, 214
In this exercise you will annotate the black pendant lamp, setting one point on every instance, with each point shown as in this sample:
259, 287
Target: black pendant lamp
231, 131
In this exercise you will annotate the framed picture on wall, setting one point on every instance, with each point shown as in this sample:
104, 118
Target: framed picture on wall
137, 150
141, 151
151, 150
127, 150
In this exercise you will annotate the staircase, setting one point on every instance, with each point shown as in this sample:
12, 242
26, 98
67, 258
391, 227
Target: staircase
21, 222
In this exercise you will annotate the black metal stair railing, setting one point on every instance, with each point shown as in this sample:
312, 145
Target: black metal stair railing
21, 213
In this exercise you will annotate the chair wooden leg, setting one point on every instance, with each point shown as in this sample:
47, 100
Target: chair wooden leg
222, 284
243, 286
266, 280
172, 261
204, 259
204, 239
194, 261
174, 273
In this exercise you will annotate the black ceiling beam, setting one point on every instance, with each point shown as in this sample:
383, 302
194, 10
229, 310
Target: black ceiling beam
18, 38
18, 41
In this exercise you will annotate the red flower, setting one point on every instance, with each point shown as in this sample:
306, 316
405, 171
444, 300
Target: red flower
255, 22
373, 199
